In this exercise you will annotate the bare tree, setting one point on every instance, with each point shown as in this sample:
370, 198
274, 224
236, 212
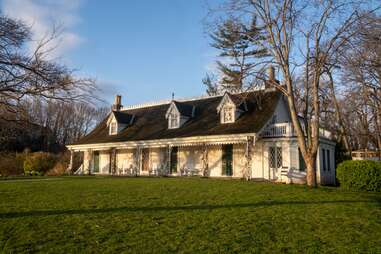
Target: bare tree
24, 74
361, 66
303, 34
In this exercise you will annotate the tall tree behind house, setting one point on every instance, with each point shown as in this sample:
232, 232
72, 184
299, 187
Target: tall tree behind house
239, 47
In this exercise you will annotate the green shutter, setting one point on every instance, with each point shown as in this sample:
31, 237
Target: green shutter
96, 162
302, 163
227, 160
324, 167
173, 168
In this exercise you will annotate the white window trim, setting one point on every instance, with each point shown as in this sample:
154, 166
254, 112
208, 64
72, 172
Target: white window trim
116, 128
222, 114
170, 117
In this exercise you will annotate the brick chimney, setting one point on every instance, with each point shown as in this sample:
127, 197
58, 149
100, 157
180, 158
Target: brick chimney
117, 103
269, 83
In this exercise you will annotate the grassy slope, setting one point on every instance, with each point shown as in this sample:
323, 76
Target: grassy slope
68, 215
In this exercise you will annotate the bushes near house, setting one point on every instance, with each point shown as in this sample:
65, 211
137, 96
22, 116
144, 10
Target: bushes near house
30, 164
39, 163
60, 166
36, 164
11, 164
359, 175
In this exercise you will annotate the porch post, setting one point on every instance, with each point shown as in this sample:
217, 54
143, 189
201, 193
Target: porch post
169, 150
113, 161
71, 163
248, 154
137, 160
87, 163
205, 161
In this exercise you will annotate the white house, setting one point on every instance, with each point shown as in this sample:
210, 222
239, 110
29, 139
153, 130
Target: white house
242, 135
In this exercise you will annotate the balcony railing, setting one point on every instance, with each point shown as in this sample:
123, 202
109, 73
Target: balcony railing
366, 155
278, 130
287, 130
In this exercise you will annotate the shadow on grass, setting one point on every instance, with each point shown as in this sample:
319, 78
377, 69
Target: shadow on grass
10, 215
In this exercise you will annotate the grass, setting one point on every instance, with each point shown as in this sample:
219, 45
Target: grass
189, 215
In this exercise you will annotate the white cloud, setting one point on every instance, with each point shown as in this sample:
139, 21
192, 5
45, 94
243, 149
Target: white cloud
45, 15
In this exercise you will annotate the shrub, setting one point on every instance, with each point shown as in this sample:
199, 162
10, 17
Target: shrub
39, 163
359, 175
11, 163
61, 165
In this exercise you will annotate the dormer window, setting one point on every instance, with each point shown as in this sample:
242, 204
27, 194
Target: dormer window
113, 128
173, 121
228, 115
179, 113
118, 121
230, 108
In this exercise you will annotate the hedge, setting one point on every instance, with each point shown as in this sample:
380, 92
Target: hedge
39, 163
359, 175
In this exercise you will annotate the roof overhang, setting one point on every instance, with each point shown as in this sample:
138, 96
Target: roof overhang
186, 141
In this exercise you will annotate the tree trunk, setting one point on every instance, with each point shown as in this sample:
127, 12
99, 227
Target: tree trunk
307, 154
311, 171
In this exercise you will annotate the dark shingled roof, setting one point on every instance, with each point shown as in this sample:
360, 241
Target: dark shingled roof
122, 117
150, 123
184, 108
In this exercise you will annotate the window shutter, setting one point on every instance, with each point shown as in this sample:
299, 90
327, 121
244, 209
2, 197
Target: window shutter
323, 152
302, 163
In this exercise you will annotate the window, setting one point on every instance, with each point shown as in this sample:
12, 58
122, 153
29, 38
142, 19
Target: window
279, 160
173, 121
113, 128
275, 157
302, 163
228, 115
272, 157
323, 152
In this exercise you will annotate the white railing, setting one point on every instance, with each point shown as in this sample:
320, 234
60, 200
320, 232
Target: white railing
185, 99
366, 155
325, 134
79, 171
278, 130
287, 130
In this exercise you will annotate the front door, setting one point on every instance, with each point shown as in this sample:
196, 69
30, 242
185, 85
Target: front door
227, 160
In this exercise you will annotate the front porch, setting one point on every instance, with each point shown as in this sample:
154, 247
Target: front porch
236, 157
219, 158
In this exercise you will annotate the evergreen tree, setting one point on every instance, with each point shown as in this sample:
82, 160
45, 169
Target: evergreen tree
240, 46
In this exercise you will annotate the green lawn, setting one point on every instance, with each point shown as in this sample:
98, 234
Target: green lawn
161, 215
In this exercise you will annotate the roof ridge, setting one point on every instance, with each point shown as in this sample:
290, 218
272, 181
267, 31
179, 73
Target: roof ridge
184, 99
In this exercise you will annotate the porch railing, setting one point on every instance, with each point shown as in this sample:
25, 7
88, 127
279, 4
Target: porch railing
278, 130
287, 130
79, 171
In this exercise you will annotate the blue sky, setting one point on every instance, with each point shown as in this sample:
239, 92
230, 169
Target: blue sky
144, 50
